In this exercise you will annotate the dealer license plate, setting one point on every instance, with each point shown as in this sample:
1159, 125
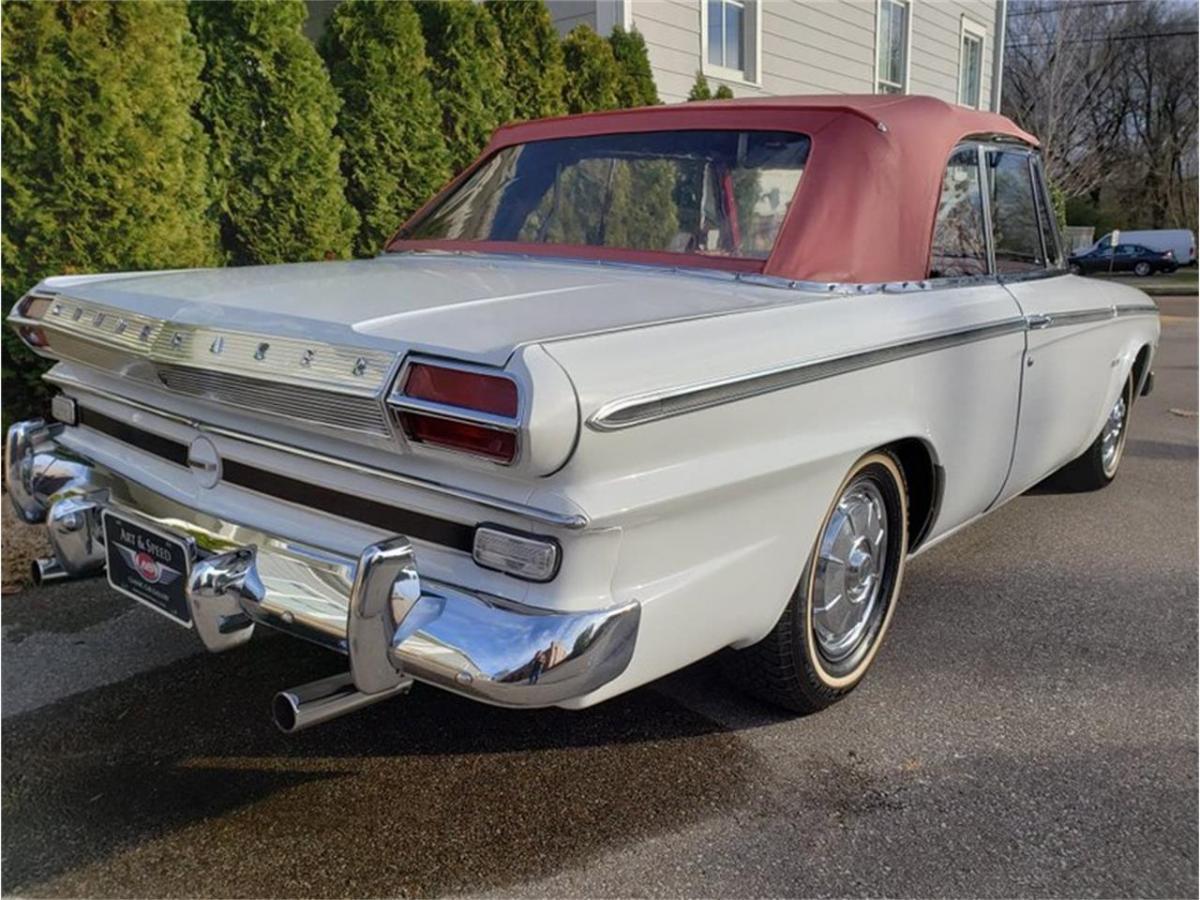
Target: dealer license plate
148, 565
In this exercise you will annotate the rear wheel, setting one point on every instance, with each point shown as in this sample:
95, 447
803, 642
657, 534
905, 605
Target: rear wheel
1097, 467
1142, 269
835, 621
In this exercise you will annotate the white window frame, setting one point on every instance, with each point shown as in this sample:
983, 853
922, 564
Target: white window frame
971, 28
751, 52
908, 33
611, 13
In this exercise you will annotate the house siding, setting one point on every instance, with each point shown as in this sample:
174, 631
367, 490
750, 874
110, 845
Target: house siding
807, 46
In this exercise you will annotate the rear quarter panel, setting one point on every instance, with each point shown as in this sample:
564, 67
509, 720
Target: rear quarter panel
717, 508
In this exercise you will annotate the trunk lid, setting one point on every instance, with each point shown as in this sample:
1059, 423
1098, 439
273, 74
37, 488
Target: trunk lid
475, 308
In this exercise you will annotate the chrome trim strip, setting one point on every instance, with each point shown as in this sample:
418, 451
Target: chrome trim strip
1136, 309
638, 410
1080, 316
538, 514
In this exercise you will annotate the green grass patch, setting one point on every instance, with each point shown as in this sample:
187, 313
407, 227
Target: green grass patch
1181, 281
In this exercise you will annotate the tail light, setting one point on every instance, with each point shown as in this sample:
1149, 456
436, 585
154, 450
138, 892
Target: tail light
32, 307
460, 408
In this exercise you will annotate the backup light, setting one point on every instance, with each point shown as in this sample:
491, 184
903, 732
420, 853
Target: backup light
521, 555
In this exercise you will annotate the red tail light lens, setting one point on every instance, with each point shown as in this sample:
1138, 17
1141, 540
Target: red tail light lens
457, 387
498, 445
33, 335
460, 409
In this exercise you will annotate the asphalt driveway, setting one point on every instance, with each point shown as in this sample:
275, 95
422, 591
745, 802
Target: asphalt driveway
1029, 729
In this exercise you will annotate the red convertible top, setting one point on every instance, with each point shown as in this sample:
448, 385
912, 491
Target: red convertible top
864, 210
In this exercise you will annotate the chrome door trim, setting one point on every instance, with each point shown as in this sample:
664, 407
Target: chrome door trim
538, 514
1080, 316
638, 410
1136, 309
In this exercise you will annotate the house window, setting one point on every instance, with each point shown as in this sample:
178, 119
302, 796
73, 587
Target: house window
893, 42
970, 64
730, 36
727, 34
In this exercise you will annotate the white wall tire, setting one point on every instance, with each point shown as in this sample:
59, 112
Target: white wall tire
838, 616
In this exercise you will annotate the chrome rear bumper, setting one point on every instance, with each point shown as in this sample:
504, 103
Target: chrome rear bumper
376, 608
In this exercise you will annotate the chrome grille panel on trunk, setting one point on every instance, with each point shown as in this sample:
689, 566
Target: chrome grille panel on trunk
327, 386
294, 401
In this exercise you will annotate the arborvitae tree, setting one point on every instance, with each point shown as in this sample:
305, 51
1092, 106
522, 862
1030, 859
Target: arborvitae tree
700, 89
533, 57
270, 110
467, 70
635, 86
394, 158
104, 166
592, 72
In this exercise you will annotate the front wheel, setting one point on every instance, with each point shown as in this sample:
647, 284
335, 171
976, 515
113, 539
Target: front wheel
837, 617
1097, 467
1142, 269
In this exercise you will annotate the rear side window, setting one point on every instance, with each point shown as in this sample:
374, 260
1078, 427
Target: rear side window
1016, 230
959, 237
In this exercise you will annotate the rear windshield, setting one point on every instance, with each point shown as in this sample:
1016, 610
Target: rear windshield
712, 193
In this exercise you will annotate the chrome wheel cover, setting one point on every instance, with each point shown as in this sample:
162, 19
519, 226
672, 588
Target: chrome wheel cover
1111, 437
850, 571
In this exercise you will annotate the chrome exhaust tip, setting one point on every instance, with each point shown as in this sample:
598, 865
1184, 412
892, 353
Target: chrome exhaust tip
47, 570
319, 701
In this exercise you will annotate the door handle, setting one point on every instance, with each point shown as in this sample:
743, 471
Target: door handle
1038, 321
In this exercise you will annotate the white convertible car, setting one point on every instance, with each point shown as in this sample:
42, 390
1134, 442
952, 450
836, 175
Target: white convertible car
636, 388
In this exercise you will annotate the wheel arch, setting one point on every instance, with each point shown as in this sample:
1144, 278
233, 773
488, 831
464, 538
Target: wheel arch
925, 482
1141, 369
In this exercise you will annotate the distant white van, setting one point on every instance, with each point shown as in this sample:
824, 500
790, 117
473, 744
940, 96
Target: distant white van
1179, 241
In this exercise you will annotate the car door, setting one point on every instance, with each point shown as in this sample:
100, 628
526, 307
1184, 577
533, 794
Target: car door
973, 402
1125, 257
1069, 347
1094, 260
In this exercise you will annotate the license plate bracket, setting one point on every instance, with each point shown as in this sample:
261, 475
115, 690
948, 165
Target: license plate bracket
148, 564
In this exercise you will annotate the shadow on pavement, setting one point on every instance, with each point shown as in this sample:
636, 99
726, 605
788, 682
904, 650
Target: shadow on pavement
419, 795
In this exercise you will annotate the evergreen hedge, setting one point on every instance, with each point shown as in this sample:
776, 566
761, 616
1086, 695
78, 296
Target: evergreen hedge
467, 71
270, 110
533, 58
593, 72
635, 83
104, 167
394, 157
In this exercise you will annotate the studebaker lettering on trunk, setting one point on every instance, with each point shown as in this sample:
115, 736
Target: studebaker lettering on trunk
638, 387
